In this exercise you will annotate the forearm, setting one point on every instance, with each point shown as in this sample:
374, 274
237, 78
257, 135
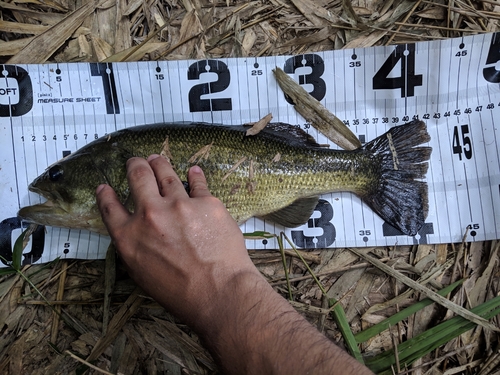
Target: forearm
255, 331
188, 253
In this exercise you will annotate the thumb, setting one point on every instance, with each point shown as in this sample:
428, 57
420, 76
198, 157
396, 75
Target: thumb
114, 215
197, 183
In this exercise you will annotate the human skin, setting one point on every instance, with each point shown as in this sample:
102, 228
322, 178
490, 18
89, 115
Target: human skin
188, 253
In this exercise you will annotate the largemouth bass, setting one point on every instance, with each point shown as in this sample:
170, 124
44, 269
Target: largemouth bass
277, 174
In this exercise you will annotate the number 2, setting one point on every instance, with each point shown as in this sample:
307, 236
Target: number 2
196, 104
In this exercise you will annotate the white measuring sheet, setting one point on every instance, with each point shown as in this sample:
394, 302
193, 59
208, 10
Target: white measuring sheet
50, 110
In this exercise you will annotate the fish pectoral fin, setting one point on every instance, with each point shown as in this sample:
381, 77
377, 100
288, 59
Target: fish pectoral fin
295, 214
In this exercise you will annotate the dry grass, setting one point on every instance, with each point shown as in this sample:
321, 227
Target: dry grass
123, 331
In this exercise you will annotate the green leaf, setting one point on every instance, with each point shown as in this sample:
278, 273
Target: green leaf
17, 252
401, 315
258, 235
340, 318
7, 271
421, 345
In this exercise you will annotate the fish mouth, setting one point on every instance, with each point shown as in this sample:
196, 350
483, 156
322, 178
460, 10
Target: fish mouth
46, 194
40, 213
52, 214
49, 211
55, 214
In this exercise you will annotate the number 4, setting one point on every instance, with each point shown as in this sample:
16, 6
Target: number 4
408, 79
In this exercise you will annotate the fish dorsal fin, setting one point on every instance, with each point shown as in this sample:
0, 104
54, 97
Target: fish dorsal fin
295, 214
294, 135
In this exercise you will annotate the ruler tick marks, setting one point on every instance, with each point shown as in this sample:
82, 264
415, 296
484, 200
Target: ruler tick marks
354, 95
468, 193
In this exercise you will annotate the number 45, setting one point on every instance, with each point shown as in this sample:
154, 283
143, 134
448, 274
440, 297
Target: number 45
463, 144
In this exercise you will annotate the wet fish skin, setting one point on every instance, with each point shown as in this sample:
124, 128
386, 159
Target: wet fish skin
278, 173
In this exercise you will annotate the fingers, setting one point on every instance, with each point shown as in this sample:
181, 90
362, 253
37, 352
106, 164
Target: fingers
197, 182
114, 215
141, 180
167, 180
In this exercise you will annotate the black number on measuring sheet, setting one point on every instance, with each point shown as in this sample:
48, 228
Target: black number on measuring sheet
196, 104
365, 233
16, 91
105, 71
355, 63
491, 74
473, 228
408, 80
461, 142
323, 223
7, 226
66, 248
317, 65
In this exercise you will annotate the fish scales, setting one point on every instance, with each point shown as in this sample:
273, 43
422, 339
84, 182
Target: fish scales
301, 171
276, 174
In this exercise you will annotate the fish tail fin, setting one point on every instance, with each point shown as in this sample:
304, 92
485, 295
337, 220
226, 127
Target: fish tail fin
398, 197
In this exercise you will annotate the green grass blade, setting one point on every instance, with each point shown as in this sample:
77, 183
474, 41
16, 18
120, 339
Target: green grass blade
285, 268
403, 314
340, 318
422, 344
338, 312
415, 348
7, 271
258, 235
17, 252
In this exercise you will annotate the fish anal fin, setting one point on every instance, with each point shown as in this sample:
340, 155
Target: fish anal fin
295, 214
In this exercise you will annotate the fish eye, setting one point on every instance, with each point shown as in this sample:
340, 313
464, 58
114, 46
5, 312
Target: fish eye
55, 173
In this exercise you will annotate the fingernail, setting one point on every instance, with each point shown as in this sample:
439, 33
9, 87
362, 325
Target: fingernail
196, 169
99, 188
153, 156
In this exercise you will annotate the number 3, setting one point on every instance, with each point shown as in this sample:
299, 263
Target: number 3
327, 238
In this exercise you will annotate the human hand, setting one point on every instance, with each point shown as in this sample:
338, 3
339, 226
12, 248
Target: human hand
188, 253
182, 249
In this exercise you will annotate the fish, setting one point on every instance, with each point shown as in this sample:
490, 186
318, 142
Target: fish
277, 174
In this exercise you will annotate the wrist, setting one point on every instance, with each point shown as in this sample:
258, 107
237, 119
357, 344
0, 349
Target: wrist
228, 302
